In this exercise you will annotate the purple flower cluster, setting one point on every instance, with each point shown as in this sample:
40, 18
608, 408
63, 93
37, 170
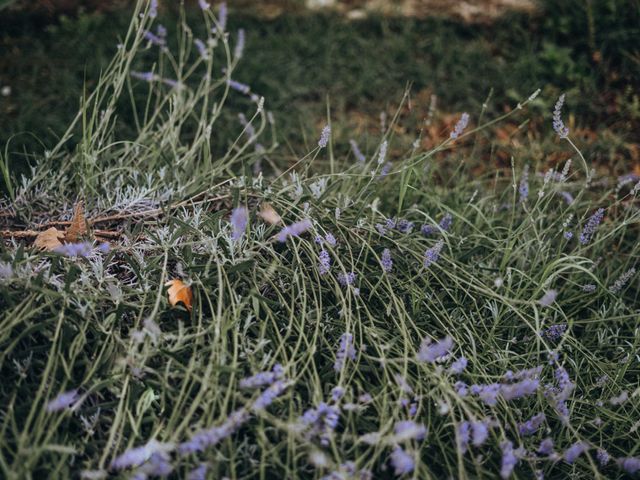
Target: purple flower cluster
157, 40
239, 48
239, 219
525, 383
324, 264
458, 366
510, 458
603, 457
346, 350
523, 189
402, 462
532, 425
558, 124
81, 249
238, 86
463, 436
135, 457
409, 430
460, 126
214, 435
622, 280
324, 136
554, 332
548, 298
431, 255
63, 401
294, 230
321, 421
198, 473
385, 261
592, 225
263, 378
356, 152
346, 279
572, 453
430, 352
202, 48
267, 397
560, 393
631, 465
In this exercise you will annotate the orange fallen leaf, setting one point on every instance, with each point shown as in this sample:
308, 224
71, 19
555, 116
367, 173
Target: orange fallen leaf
78, 227
269, 215
179, 292
49, 240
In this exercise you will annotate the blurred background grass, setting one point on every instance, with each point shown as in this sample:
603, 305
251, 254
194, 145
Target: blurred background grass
358, 57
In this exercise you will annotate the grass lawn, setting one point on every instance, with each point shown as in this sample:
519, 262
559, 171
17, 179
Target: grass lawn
307, 247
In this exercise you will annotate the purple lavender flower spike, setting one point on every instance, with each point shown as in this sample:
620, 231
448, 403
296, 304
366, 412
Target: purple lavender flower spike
337, 393
458, 366
385, 261
356, 152
321, 421
509, 459
239, 49
81, 249
222, 16
622, 281
238, 86
572, 453
548, 298
409, 430
330, 239
461, 388
153, 9
239, 219
63, 401
603, 456
554, 332
154, 39
263, 378
460, 126
487, 393
267, 397
404, 226
480, 432
346, 350
346, 279
431, 255
294, 230
324, 136
402, 462
520, 389
430, 352
202, 48
590, 228
523, 189
558, 124
198, 473
144, 76
134, 457
532, 425
631, 465
214, 435
546, 447
325, 262
428, 230
446, 222
203, 5
463, 436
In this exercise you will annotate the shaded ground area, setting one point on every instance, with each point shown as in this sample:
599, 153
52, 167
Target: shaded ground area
304, 62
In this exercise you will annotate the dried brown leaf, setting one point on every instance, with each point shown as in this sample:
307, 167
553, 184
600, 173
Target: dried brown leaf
78, 227
179, 292
49, 240
269, 215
